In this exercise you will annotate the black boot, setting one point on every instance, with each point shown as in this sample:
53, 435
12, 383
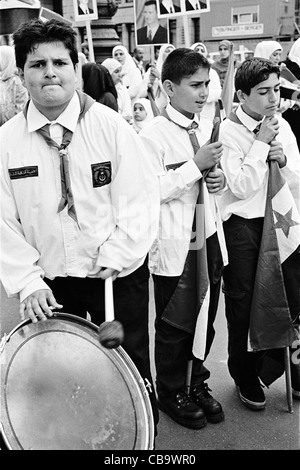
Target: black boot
182, 409
211, 407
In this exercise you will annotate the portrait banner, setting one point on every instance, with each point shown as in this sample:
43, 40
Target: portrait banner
175, 8
85, 10
149, 29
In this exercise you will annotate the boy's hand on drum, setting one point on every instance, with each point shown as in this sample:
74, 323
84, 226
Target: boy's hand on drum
208, 155
39, 305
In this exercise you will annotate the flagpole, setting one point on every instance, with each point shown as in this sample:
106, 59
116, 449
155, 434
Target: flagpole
188, 378
90, 40
288, 382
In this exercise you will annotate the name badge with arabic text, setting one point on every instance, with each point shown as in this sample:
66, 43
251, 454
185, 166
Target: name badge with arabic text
23, 172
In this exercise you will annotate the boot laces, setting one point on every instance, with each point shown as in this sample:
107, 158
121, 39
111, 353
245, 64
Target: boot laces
183, 398
202, 391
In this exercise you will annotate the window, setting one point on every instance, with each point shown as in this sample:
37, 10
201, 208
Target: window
196, 28
172, 31
243, 15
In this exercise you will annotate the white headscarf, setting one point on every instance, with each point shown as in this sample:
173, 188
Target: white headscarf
8, 66
265, 49
294, 54
203, 47
111, 64
129, 62
132, 77
138, 125
162, 55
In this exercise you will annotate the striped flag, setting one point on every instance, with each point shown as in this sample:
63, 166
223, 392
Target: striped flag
211, 252
276, 297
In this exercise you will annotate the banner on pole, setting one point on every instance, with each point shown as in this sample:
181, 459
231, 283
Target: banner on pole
149, 29
174, 8
85, 10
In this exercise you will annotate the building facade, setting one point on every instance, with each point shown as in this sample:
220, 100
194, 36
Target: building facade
244, 22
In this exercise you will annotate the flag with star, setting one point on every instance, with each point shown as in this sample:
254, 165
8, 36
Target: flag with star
276, 299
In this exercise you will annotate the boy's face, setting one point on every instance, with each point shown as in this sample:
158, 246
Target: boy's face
50, 78
263, 99
191, 94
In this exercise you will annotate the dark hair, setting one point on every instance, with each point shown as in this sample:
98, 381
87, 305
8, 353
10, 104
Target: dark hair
181, 63
151, 2
32, 33
97, 81
253, 71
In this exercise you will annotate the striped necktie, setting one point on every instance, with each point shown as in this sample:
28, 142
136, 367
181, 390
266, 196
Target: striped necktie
191, 129
150, 35
67, 198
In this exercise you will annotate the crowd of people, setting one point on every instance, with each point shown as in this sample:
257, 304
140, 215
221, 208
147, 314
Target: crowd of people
150, 186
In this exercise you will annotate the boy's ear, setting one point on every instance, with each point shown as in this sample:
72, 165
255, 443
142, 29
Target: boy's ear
169, 87
241, 96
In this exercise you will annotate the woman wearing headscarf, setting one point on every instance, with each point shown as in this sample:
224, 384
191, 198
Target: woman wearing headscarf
269, 50
292, 115
132, 78
98, 83
221, 64
152, 77
215, 89
272, 50
13, 95
124, 102
142, 113
201, 48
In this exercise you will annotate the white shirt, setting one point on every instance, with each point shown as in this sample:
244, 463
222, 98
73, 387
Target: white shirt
153, 30
168, 144
124, 101
168, 4
195, 4
118, 220
244, 162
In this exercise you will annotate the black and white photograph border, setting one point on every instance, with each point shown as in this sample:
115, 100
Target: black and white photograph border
184, 11
92, 5
138, 6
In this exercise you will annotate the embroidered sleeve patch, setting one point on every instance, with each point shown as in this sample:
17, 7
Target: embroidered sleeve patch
174, 166
23, 172
101, 174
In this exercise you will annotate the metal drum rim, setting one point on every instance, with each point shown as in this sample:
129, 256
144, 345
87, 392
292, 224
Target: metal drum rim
119, 355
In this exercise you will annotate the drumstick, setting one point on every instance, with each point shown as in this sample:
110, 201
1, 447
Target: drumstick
111, 333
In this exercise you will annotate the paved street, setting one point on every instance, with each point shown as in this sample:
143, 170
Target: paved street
272, 429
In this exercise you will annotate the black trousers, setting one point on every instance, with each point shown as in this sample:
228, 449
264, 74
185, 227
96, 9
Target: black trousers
173, 346
131, 304
243, 237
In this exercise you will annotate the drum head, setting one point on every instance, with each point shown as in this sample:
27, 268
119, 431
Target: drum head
61, 390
